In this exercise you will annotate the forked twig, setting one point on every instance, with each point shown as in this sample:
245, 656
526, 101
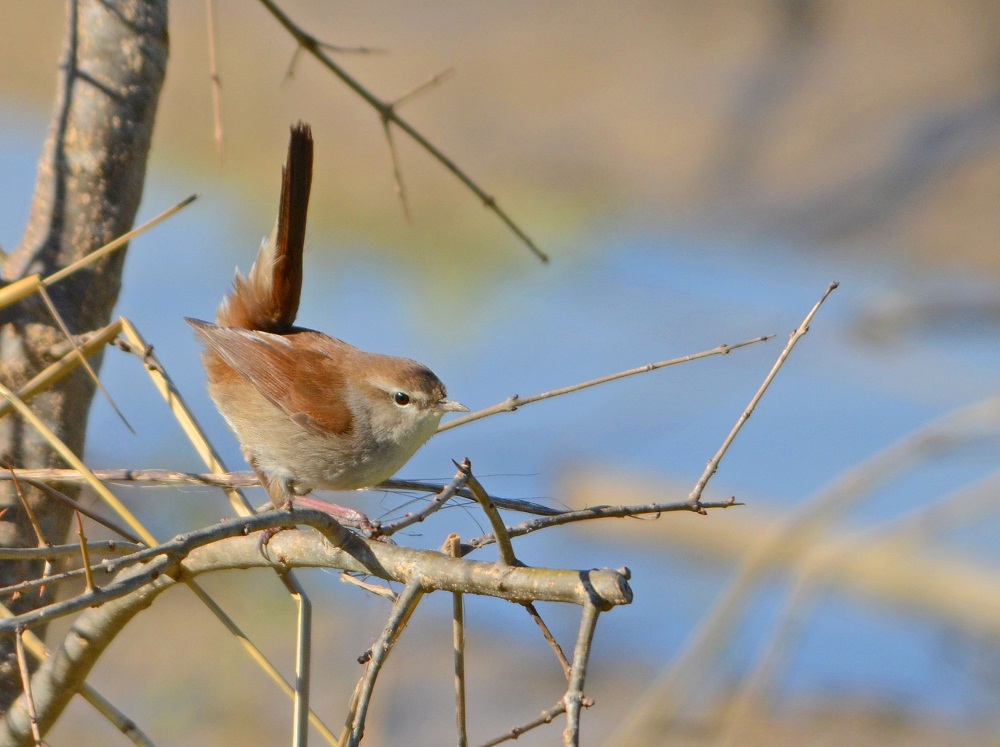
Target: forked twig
388, 113
694, 497
397, 171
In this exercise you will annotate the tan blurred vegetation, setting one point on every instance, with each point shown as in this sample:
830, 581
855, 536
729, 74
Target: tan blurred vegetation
873, 125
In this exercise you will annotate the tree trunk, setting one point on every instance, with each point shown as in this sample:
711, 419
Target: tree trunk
89, 186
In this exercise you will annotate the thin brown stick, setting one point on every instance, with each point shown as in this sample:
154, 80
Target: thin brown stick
388, 113
420, 88
102, 705
22, 665
335, 48
88, 574
504, 546
515, 401
454, 546
713, 464
28, 510
213, 75
397, 171
39, 535
533, 611
547, 717
303, 658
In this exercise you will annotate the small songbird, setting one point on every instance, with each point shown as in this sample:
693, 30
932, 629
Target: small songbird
310, 411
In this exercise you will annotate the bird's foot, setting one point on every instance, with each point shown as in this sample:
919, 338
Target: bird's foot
349, 517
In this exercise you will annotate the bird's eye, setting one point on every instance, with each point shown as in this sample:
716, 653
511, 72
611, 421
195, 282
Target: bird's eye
401, 398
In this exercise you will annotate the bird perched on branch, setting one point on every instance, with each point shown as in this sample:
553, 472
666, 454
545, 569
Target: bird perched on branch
309, 410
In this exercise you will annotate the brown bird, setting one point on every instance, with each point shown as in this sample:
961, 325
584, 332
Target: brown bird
309, 410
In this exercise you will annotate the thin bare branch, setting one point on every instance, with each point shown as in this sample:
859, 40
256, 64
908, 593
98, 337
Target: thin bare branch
551, 639
54, 552
798, 532
454, 548
515, 401
102, 705
547, 717
81, 508
420, 88
597, 512
28, 510
213, 75
713, 464
22, 665
386, 111
303, 658
436, 503
574, 697
246, 479
39, 535
377, 589
44, 580
88, 574
397, 171
504, 546
405, 604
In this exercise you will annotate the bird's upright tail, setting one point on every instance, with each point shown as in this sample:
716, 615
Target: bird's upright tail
267, 299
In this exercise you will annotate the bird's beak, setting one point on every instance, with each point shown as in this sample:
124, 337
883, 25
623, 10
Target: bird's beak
448, 405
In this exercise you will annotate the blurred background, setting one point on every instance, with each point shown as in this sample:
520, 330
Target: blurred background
698, 174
